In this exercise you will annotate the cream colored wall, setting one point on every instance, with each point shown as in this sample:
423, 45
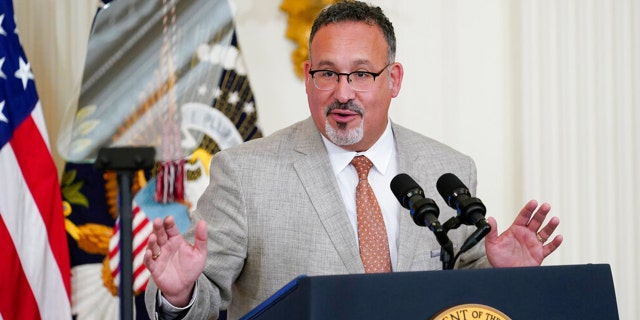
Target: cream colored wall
463, 86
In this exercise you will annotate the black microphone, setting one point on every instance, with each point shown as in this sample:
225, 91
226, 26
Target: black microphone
471, 210
424, 211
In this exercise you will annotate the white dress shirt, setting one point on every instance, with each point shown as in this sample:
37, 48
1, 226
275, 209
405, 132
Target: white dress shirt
383, 155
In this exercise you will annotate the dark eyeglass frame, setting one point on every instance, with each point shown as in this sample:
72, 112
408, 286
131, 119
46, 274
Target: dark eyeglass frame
374, 75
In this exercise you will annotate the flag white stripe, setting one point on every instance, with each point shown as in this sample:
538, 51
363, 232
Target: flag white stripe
142, 235
138, 240
141, 280
38, 117
115, 261
30, 238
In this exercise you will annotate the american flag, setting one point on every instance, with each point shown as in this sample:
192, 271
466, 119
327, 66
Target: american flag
142, 228
34, 259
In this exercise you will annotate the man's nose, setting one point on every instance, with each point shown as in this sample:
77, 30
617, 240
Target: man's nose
343, 91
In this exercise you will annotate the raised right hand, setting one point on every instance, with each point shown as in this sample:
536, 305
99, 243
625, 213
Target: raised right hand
173, 262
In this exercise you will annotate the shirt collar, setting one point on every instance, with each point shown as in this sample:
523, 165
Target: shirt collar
380, 153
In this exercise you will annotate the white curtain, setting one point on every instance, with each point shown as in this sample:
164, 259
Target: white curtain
545, 94
54, 35
580, 137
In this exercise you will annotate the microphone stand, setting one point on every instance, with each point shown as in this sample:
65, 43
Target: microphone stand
446, 256
125, 161
452, 223
446, 246
472, 240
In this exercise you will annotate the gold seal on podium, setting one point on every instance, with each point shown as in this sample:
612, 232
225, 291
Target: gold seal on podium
469, 312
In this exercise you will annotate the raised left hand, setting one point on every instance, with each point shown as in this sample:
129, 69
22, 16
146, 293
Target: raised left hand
525, 243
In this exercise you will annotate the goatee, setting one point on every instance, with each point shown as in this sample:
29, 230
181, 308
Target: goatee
342, 136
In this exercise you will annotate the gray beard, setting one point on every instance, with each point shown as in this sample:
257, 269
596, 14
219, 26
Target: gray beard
343, 136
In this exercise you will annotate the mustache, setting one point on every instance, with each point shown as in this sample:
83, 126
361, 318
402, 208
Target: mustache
350, 105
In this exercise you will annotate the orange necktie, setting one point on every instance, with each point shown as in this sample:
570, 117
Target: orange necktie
372, 234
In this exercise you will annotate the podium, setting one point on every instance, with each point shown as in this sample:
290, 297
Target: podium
551, 292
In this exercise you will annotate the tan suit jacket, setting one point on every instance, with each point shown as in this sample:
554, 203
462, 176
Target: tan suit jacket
274, 211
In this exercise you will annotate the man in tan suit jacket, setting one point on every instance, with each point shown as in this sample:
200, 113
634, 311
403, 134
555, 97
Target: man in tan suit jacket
274, 209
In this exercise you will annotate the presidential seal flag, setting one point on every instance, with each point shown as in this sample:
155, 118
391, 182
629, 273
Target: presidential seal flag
168, 74
34, 259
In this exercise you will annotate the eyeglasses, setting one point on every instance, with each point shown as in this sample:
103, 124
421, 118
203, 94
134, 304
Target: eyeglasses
358, 80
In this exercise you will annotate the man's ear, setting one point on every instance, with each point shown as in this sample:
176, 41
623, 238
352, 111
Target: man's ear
396, 73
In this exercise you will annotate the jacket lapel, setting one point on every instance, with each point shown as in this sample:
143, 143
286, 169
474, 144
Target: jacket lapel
316, 174
411, 162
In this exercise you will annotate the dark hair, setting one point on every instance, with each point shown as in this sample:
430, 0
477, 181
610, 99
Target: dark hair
356, 11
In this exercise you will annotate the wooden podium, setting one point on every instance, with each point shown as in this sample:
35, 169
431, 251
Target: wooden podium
553, 292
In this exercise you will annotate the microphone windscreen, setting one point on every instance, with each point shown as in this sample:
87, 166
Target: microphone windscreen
447, 184
401, 185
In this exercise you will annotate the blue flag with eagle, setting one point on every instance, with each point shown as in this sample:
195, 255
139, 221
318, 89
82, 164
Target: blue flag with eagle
168, 74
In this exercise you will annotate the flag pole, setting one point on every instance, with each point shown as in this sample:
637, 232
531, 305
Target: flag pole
125, 161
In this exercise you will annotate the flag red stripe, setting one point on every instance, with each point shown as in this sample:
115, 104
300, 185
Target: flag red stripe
114, 246
139, 270
12, 273
114, 242
113, 253
38, 167
144, 286
141, 247
114, 273
141, 225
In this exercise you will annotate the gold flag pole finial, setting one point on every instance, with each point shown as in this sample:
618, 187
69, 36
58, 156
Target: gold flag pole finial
301, 16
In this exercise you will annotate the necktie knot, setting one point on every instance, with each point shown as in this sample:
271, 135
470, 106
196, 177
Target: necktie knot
363, 166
